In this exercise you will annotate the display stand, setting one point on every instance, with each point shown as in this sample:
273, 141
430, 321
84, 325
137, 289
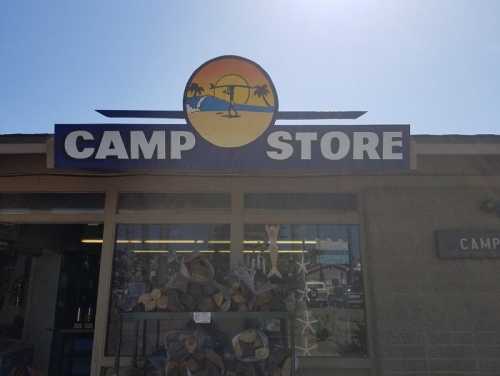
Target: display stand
144, 319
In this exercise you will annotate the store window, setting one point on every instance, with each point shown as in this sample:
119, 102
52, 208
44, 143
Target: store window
306, 278
166, 268
318, 267
177, 302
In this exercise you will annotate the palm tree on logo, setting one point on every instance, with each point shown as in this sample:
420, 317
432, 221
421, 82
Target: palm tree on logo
262, 91
195, 89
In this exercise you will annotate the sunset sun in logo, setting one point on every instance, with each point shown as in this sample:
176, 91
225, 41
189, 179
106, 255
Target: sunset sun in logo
230, 101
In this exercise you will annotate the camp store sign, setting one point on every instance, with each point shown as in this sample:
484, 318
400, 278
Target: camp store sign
230, 106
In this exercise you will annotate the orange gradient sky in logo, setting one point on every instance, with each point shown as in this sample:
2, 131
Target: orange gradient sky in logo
214, 71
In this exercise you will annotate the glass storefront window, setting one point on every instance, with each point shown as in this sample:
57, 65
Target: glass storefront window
311, 270
166, 268
321, 266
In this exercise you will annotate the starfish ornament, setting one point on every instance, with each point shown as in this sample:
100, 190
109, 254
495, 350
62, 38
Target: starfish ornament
303, 265
306, 350
303, 296
308, 322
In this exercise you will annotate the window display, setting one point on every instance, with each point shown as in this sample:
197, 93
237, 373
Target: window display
167, 268
320, 265
223, 343
164, 273
308, 275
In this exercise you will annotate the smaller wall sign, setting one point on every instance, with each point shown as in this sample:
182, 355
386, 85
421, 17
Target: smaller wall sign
452, 244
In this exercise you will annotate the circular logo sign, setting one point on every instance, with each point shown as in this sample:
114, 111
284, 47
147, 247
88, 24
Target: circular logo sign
230, 101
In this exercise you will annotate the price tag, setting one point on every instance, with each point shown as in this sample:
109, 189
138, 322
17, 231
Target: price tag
202, 317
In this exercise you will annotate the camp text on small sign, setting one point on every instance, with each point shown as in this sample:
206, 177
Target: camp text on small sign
468, 243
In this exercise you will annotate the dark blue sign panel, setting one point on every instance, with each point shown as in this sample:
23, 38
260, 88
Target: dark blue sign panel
452, 244
320, 148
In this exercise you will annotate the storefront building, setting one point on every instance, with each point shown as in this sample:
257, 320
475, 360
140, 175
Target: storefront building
372, 266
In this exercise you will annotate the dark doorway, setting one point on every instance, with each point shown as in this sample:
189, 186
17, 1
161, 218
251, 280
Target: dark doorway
48, 293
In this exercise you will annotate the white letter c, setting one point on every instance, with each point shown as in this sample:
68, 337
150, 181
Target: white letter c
71, 148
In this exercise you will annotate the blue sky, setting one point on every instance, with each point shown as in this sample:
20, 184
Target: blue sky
433, 64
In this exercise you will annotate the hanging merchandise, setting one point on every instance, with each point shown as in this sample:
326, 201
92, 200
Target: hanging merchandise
197, 268
256, 261
195, 288
17, 292
89, 319
272, 232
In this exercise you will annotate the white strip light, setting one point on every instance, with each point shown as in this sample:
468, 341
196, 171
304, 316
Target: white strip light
172, 241
281, 242
178, 251
189, 241
279, 251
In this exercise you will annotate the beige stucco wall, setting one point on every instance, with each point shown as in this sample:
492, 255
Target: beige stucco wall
431, 315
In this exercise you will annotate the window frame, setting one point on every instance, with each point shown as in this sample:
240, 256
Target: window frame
237, 217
